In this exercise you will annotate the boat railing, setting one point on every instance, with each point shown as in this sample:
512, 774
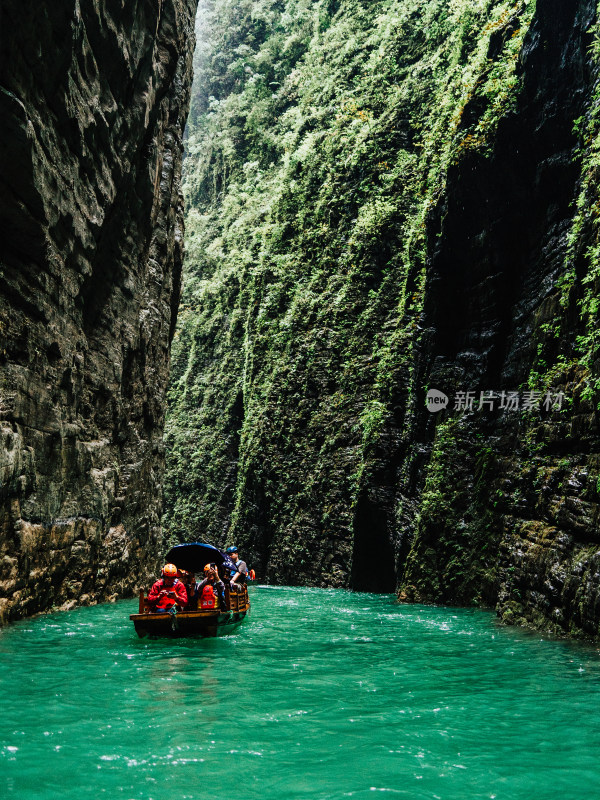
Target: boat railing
238, 600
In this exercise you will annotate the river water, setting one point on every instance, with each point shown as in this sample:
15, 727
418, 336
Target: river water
321, 694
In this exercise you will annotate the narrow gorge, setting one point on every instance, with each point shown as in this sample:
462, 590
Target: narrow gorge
383, 200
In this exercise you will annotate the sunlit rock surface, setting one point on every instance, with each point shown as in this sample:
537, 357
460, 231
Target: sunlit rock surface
93, 98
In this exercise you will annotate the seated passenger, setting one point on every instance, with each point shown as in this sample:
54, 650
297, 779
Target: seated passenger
211, 591
189, 581
241, 574
168, 593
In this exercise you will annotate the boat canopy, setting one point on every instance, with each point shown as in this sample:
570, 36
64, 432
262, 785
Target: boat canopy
193, 557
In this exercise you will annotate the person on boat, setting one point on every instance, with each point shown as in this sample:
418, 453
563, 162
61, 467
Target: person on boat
168, 593
211, 591
189, 581
240, 576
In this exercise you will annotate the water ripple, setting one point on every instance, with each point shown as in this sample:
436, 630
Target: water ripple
322, 694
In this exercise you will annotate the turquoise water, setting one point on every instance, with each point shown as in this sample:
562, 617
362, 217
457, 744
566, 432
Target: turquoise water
321, 694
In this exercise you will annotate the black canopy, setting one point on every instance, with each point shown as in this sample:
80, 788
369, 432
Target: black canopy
194, 556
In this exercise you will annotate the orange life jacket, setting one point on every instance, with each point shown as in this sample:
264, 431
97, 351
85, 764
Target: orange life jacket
208, 598
165, 603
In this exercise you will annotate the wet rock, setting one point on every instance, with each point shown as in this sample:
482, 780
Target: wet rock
94, 98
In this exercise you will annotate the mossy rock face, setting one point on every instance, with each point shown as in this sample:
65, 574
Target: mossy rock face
380, 200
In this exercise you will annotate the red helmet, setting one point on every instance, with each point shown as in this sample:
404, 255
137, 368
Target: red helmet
169, 571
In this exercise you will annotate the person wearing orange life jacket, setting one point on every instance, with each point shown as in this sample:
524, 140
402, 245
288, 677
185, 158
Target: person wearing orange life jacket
168, 593
211, 591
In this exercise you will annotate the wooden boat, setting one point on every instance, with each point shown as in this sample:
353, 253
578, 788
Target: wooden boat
210, 622
192, 622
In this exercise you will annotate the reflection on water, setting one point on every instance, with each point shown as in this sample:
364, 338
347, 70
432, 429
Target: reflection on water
321, 694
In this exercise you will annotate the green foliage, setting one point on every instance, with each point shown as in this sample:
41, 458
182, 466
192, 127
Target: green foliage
454, 549
319, 139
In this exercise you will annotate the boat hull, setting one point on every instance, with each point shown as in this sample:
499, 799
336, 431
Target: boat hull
194, 624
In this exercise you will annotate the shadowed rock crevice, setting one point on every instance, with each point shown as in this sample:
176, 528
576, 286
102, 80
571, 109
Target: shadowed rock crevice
372, 557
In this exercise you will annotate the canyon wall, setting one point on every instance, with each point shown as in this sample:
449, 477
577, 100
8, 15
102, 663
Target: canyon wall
509, 513
94, 95
384, 199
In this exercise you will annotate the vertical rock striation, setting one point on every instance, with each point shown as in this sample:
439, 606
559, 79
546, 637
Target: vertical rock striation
509, 513
93, 96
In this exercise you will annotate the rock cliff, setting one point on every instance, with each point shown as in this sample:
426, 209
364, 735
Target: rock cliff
509, 514
387, 198
94, 96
